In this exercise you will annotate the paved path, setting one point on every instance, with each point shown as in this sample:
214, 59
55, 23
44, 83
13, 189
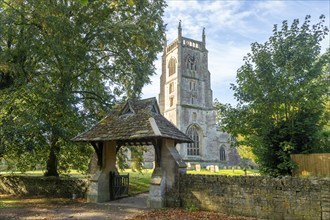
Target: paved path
127, 207
114, 210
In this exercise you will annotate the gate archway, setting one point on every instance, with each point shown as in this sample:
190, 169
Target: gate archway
137, 122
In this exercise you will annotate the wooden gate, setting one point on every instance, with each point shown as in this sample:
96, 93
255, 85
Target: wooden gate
118, 185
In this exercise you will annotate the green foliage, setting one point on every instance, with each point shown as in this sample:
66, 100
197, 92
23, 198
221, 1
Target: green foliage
122, 158
192, 208
245, 152
136, 157
62, 66
322, 144
226, 121
282, 89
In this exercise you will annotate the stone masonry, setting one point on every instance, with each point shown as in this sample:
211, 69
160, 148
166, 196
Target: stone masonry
261, 197
186, 100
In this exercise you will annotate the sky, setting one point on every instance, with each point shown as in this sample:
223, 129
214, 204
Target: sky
231, 27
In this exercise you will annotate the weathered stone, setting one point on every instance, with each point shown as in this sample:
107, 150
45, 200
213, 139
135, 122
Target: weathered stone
186, 100
198, 167
261, 197
99, 187
43, 186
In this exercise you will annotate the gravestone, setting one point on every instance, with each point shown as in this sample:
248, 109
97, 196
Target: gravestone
198, 167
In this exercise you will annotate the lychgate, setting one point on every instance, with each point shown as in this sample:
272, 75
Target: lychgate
137, 123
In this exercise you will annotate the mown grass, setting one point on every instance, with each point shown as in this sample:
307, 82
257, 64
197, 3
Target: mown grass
138, 181
71, 173
226, 172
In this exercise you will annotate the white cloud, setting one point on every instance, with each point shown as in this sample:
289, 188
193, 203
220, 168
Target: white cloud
266, 8
231, 26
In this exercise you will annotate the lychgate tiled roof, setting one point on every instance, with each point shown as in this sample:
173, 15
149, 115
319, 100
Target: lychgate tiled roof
136, 120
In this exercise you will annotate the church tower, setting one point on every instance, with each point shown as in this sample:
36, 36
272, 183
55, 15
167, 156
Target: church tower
186, 99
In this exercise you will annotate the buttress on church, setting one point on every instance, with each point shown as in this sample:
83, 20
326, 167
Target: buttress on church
186, 100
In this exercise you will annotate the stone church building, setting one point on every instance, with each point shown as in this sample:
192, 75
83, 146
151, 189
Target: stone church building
186, 100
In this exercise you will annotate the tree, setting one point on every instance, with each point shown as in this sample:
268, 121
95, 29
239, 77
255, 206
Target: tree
63, 63
281, 90
137, 160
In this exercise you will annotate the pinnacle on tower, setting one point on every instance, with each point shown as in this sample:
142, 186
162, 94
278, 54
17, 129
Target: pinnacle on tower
180, 29
203, 35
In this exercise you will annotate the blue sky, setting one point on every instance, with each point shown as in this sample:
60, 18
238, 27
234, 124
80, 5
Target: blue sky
231, 27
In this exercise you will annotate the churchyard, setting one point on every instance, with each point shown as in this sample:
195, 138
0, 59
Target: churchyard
72, 75
139, 181
215, 192
62, 207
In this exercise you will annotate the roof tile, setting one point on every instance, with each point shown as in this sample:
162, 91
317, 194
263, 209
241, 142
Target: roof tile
132, 121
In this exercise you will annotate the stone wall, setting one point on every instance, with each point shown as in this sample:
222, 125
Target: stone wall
45, 186
261, 197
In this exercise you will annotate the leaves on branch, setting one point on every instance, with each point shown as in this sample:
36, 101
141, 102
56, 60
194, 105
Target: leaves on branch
63, 64
282, 89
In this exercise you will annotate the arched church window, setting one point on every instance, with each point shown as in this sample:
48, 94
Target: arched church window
222, 153
193, 148
172, 66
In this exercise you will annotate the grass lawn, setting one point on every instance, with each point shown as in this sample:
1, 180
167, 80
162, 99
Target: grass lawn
226, 172
138, 182
71, 173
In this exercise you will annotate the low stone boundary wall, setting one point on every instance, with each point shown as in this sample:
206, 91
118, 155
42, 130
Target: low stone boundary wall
45, 186
261, 197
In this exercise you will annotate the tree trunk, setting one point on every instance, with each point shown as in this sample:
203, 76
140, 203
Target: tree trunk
52, 159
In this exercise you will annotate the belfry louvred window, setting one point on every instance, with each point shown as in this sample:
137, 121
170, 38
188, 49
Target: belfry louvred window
171, 66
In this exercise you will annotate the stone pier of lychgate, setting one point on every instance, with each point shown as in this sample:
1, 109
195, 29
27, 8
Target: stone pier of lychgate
137, 123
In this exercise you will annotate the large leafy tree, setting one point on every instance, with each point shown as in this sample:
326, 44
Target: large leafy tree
282, 89
63, 63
